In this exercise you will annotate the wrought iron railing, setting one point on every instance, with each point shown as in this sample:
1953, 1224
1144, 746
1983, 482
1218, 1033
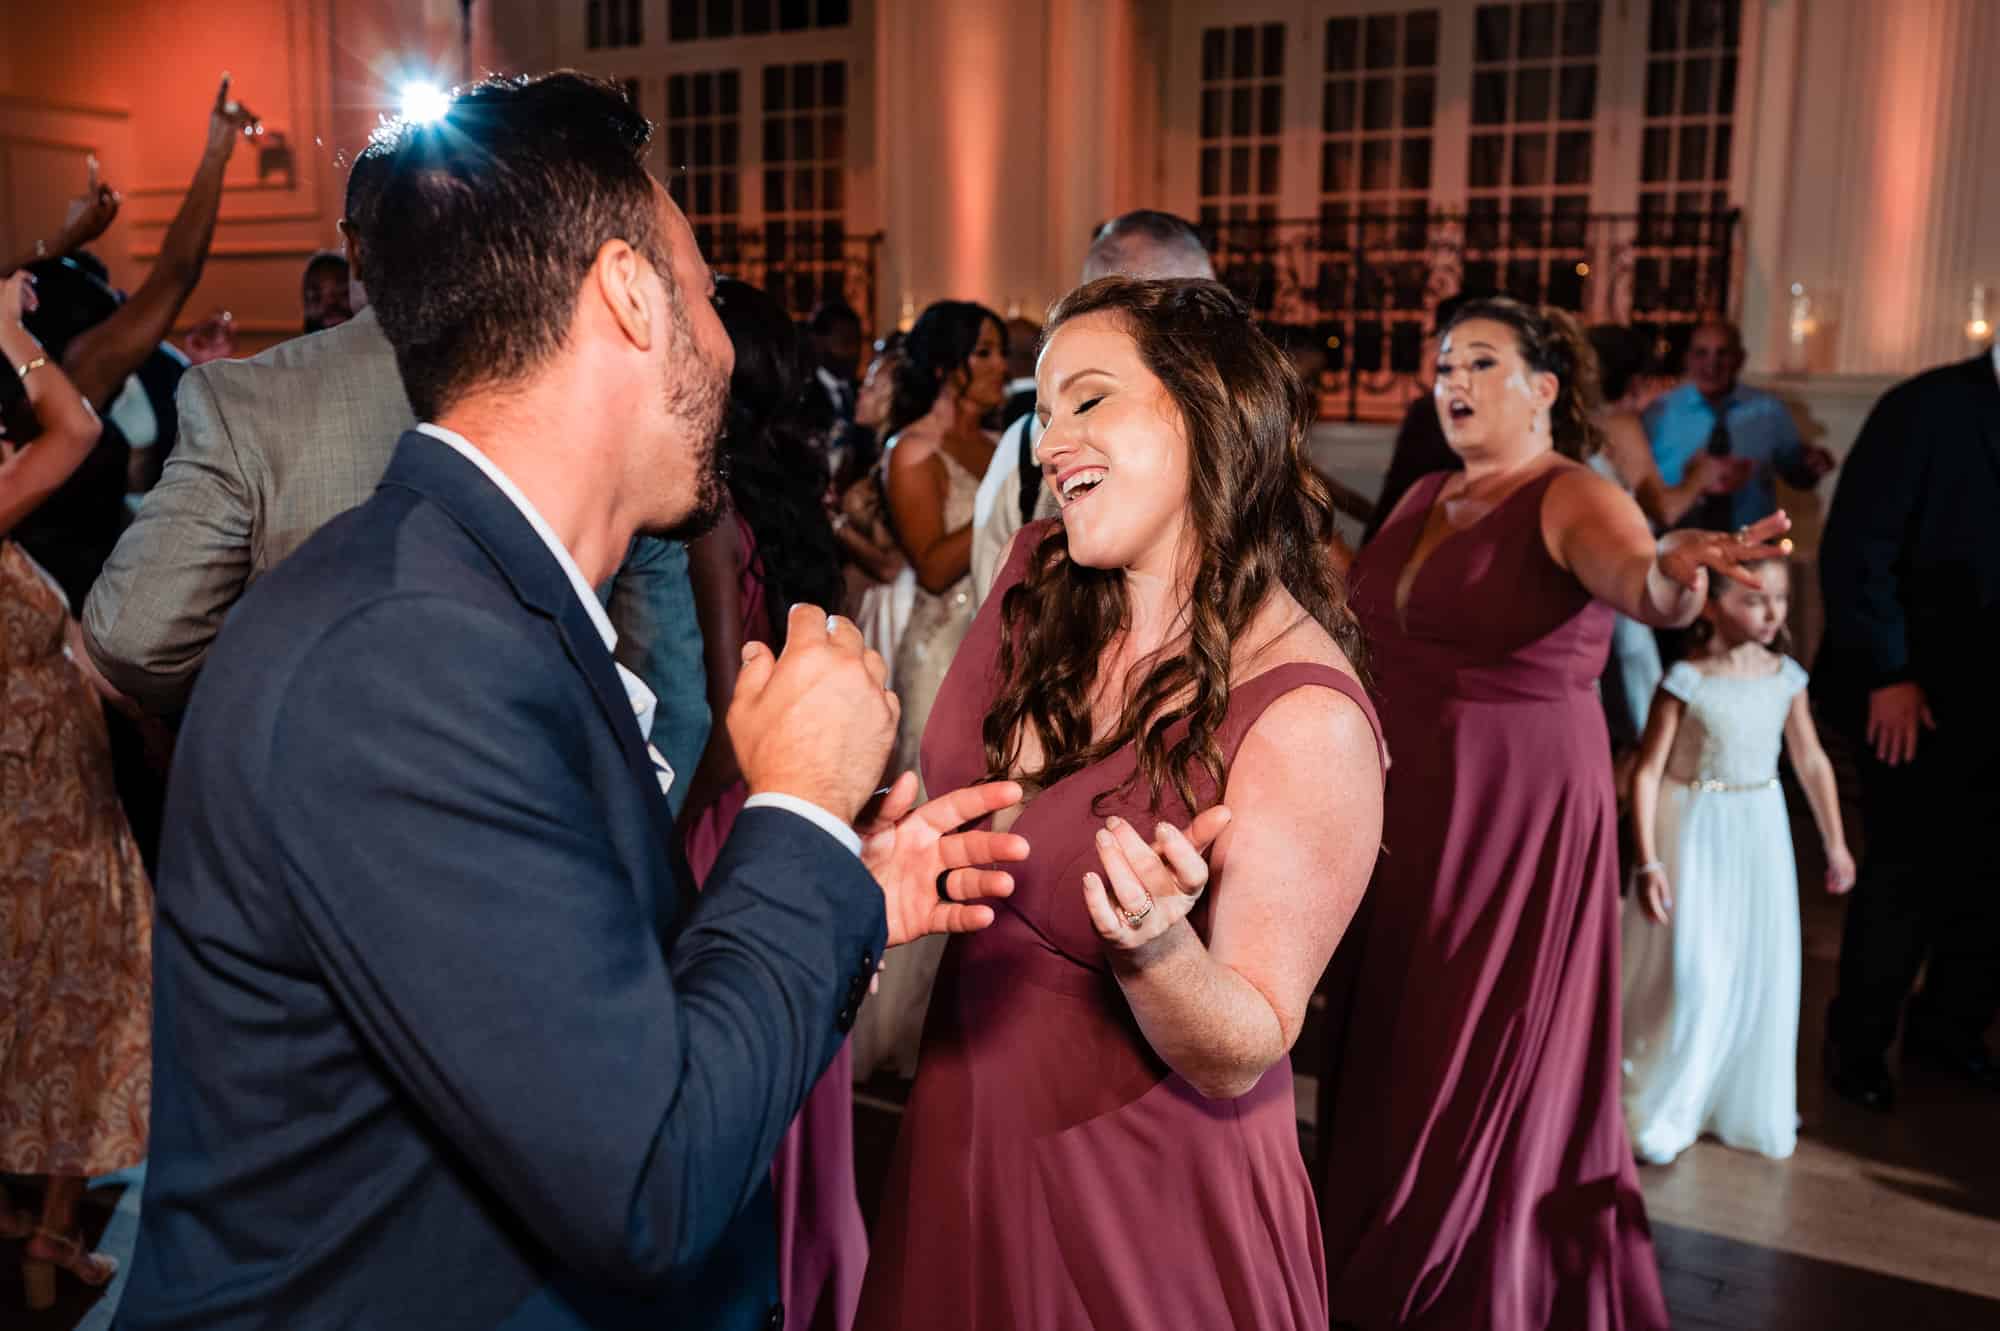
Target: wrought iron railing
802, 263
1353, 295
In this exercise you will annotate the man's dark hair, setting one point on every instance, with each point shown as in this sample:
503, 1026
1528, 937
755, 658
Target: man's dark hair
830, 314
325, 261
488, 220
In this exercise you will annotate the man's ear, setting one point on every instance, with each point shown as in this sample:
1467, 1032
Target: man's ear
620, 278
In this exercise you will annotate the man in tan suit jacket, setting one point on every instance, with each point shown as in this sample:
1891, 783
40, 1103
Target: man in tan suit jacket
271, 449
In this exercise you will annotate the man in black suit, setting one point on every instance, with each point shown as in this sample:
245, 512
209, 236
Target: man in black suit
1910, 567
441, 1040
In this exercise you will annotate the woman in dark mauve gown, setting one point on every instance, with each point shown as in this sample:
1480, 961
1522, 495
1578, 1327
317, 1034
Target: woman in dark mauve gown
1475, 1170
1102, 1133
773, 550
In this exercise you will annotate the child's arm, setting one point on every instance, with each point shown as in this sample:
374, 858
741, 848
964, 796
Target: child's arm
1656, 896
1822, 793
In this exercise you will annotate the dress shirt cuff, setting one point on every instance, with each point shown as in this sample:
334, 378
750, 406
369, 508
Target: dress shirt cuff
812, 813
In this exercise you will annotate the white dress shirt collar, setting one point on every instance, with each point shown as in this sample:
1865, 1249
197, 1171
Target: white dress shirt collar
584, 593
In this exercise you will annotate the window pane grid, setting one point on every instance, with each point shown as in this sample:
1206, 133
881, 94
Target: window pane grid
1532, 135
1378, 111
610, 24
697, 20
705, 156
805, 177
1690, 110
1242, 121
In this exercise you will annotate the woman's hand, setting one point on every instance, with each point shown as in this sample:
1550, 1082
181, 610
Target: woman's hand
1687, 556
1839, 870
228, 119
90, 214
17, 298
1152, 887
1656, 895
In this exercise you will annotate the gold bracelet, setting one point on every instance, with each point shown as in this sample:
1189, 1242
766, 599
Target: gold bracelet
37, 363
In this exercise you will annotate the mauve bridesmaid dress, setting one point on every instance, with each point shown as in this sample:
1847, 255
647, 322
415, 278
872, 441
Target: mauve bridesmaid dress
1475, 1171
1051, 1171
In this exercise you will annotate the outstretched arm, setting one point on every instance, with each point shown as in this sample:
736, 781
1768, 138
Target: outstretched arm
1596, 531
100, 360
32, 469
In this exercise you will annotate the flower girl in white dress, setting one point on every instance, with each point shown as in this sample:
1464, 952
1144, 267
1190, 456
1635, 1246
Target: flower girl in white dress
1711, 940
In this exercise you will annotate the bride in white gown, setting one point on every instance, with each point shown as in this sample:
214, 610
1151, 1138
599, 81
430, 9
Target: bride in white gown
1711, 939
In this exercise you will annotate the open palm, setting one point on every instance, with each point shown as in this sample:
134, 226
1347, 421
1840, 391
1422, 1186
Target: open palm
909, 849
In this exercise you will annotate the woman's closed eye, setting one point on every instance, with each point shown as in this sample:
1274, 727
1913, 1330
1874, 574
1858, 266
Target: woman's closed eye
1087, 404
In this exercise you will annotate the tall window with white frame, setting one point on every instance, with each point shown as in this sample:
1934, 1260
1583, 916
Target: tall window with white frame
1242, 121
698, 20
608, 24
1528, 154
704, 156
1684, 155
805, 163
1378, 108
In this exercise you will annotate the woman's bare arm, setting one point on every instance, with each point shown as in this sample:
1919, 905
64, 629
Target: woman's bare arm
1662, 724
715, 568
100, 360
918, 488
32, 469
1305, 798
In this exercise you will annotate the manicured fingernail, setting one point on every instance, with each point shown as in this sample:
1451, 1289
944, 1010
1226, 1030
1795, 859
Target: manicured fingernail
1103, 837
1114, 822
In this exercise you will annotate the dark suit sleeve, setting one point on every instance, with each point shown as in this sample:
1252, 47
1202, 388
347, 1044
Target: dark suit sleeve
455, 881
1870, 523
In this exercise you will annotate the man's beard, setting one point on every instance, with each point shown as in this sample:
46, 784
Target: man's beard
699, 406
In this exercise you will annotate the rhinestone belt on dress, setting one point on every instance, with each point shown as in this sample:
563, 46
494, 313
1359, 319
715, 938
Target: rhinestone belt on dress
1724, 788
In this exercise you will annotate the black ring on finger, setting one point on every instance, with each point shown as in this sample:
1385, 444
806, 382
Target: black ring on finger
943, 894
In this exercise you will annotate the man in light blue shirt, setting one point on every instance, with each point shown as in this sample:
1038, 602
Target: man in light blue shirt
1751, 430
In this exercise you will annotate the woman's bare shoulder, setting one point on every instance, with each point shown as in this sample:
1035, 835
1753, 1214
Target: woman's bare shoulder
913, 446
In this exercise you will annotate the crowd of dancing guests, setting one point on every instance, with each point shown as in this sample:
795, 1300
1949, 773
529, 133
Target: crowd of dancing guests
1089, 559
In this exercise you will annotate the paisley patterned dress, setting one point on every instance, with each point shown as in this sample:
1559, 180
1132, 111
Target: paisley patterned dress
76, 910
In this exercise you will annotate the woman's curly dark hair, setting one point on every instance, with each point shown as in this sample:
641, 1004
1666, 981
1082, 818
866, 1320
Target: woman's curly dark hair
939, 345
776, 477
1260, 516
1551, 342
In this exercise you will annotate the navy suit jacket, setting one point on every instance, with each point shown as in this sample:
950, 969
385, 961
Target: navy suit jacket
438, 1041
1910, 562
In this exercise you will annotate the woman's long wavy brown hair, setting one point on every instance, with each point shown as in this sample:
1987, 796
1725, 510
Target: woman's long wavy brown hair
1260, 519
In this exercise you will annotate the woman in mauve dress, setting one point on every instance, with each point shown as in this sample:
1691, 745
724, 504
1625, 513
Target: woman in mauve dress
773, 549
1475, 1170
1102, 1135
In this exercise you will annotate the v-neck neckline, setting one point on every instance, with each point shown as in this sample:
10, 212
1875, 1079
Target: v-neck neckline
1404, 591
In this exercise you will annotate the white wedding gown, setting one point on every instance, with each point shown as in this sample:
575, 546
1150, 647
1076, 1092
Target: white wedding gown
1712, 999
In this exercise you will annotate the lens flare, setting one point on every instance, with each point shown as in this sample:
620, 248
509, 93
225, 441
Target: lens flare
424, 102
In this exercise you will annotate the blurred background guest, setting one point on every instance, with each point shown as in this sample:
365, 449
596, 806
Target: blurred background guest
324, 291
1910, 568
953, 372
1749, 432
75, 902
836, 338
773, 550
870, 557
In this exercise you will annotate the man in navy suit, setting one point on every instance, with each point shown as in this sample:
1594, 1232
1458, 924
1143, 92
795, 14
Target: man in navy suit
440, 1039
